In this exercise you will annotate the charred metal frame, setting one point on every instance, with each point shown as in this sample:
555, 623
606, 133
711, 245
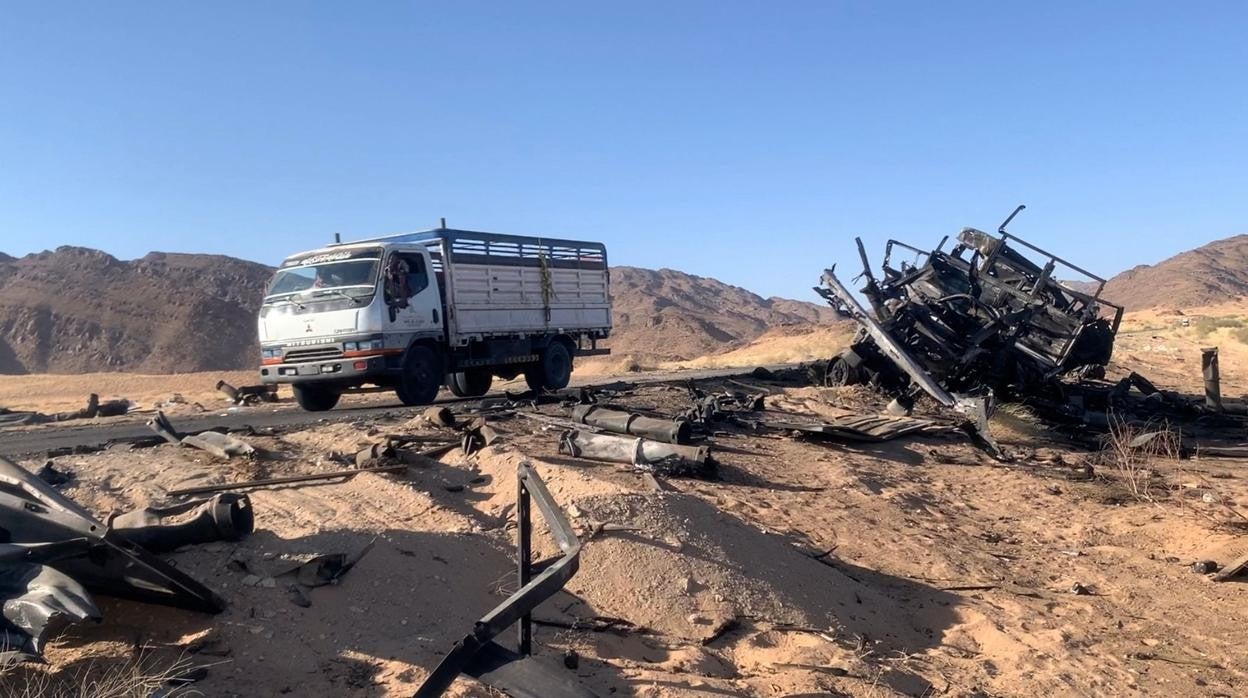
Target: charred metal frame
1023, 327
476, 654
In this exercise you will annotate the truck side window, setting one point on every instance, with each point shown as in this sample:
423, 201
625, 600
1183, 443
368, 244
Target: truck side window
417, 276
405, 277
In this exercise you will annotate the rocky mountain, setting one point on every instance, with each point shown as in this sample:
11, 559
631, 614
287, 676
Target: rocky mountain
1213, 273
668, 314
76, 310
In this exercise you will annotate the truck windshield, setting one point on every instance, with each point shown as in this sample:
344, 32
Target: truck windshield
353, 277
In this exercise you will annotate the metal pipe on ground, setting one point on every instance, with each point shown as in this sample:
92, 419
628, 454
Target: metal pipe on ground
672, 431
407, 458
634, 451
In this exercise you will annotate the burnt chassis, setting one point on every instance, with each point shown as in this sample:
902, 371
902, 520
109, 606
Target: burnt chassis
979, 319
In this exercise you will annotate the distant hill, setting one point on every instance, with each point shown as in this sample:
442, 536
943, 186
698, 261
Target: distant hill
77, 310
671, 315
1213, 273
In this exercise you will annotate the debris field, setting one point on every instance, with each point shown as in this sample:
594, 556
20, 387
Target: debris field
797, 540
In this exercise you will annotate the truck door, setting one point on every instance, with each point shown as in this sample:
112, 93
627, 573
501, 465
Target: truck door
412, 293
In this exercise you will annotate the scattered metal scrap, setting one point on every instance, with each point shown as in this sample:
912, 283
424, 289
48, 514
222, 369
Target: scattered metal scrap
248, 394
672, 431
642, 454
94, 408
517, 673
713, 407
225, 517
53, 475
867, 428
326, 569
1238, 566
221, 445
54, 551
407, 460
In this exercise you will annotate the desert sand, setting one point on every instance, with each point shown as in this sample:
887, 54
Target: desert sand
913, 567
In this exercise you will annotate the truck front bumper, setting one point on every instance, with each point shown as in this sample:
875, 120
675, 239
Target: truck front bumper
341, 370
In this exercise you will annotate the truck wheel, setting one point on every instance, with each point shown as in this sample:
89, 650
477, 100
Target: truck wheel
421, 377
553, 371
474, 382
840, 373
316, 398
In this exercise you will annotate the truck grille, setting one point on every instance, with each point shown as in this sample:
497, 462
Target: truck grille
317, 354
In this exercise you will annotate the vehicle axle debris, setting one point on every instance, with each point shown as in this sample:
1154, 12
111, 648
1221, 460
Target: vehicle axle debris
222, 446
315, 477
640, 453
672, 431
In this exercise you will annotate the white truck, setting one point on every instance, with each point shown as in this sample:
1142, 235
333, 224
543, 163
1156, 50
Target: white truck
415, 311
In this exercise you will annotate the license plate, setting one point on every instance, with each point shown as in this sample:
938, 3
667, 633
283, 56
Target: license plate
309, 370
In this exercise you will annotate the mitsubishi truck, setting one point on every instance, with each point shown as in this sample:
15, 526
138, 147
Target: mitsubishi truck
416, 311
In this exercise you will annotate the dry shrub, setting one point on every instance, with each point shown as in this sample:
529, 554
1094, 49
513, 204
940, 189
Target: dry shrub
1130, 451
139, 677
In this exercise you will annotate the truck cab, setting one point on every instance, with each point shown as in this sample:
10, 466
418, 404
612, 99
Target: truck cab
416, 311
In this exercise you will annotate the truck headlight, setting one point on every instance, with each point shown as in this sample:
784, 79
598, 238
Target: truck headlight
374, 344
271, 353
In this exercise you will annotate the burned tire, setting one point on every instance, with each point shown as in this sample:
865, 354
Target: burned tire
421, 378
553, 371
471, 383
316, 398
840, 373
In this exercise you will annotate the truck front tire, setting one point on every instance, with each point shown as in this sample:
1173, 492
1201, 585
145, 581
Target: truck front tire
553, 371
474, 382
418, 385
316, 398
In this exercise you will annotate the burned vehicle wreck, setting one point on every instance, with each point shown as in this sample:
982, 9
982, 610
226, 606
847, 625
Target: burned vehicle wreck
53, 552
981, 321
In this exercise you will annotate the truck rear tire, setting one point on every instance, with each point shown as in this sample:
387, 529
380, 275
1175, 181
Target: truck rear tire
553, 371
316, 398
474, 382
421, 377
841, 373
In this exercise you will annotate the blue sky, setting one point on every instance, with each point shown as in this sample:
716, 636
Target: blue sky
740, 140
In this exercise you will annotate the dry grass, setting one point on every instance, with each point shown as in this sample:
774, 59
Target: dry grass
140, 677
1132, 452
778, 346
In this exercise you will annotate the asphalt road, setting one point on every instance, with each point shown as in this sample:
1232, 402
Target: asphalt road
57, 436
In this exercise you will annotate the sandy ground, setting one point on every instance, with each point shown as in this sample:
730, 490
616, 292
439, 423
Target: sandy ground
51, 393
1165, 346
914, 567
